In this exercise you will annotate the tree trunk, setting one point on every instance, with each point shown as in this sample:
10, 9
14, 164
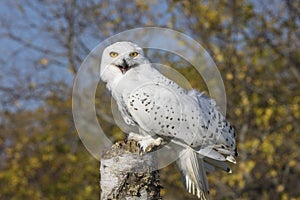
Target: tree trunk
125, 174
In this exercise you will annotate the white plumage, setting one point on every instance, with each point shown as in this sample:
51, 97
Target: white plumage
162, 110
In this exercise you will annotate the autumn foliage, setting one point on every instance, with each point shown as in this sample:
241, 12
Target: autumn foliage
255, 45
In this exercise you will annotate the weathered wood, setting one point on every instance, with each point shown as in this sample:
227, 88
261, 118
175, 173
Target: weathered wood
125, 174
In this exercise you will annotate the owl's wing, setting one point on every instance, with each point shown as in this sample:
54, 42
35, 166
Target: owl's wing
214, 123
155, 108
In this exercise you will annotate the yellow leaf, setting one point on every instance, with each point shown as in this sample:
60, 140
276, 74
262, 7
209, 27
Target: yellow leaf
273, 173
280, 188
32, 85
34, 162
229, 76
44, 61
292, 163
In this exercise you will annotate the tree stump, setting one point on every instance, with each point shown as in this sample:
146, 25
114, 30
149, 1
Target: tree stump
125, 174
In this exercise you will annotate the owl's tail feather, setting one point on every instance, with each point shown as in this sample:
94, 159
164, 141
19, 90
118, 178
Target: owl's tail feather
193, 172
217, 164
215, 159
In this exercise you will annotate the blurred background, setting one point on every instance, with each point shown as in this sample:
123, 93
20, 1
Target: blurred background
255, 44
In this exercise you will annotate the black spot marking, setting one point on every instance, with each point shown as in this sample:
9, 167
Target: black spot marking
135, 109
173, 127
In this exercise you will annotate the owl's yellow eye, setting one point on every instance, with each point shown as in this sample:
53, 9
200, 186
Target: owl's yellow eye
113, 54
133, 54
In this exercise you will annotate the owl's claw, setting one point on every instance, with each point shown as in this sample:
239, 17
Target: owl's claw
139, 145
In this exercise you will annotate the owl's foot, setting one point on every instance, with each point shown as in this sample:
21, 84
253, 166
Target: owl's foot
148, 143
145, 143
135, 136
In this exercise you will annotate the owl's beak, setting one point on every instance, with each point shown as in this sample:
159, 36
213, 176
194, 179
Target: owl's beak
124, 67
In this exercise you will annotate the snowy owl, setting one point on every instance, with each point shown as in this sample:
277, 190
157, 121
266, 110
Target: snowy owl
164, 111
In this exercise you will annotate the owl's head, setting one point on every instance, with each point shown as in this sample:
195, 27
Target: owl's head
119, 58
